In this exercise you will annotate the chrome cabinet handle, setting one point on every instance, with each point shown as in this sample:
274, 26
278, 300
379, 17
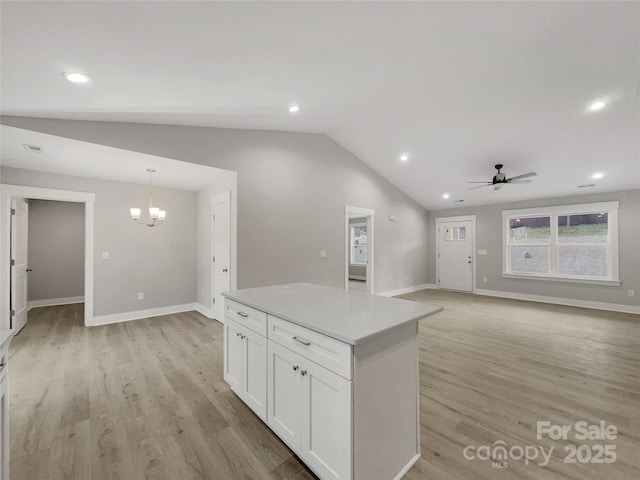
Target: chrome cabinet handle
303, 373
302, 341
242, 314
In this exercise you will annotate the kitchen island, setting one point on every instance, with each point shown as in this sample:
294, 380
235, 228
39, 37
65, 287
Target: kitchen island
333, 373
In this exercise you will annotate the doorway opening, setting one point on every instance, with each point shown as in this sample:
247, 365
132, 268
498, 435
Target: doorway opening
455, 253
359, 266
14, 265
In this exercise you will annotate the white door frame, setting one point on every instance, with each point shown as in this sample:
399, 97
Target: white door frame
7, 192
370, 215
463, 218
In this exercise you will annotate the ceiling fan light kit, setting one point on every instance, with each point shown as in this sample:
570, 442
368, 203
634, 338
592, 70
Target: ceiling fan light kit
500, 179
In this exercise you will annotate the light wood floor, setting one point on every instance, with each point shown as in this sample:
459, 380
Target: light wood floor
146, 399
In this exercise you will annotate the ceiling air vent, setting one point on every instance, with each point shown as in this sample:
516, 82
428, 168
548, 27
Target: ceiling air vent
33, 148
587, 186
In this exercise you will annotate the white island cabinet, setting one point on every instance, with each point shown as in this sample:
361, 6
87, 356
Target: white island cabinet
333, 373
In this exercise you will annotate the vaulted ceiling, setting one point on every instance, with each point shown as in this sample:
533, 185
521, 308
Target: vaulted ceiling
456, 86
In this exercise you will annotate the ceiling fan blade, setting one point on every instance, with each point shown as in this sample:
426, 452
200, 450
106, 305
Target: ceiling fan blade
519, 181
480, 186
481, 182
524, 175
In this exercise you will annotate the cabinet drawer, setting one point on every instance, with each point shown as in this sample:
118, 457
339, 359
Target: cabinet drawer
326, 351
249, 317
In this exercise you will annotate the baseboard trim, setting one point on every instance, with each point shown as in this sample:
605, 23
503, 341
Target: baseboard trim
204, 310
571, 302
139, 314
408, 466
50, 302
402, 291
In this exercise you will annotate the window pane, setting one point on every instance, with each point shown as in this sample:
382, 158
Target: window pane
529, 259
584, 261
586, 228
529, 229
454, 233
360, 254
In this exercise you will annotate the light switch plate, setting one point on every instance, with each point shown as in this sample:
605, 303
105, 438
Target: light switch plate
482, 252
105, 255
323, 253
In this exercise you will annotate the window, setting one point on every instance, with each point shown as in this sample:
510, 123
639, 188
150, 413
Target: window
452, 234
572, 243
358, 244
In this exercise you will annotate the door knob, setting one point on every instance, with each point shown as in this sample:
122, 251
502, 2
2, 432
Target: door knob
469, 261
303, 373
295, 368
29, 269
224, 270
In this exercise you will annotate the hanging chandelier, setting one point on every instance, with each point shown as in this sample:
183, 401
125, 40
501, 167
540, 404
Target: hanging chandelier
156, 216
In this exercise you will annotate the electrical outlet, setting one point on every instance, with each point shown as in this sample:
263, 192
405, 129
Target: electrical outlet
631, 293
484, 279
323, 253
141, 296
105, 255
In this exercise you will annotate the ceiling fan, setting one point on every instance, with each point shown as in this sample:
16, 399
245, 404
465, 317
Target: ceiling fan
500, 178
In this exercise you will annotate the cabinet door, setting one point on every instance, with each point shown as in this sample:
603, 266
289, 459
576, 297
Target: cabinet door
285, 389
255, 374
4, 430
233, 356
327, 422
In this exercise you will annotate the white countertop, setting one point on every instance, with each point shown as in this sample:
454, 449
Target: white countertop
351, 317
6, 336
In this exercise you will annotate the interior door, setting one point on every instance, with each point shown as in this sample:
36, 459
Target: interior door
455, 255
284, 406
221, 247
19, 266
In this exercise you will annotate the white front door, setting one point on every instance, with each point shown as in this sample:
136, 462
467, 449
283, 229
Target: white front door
221, 246
19, 278
455, 255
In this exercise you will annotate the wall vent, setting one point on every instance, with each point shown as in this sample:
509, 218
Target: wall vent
33, 148
458, 201
587, 186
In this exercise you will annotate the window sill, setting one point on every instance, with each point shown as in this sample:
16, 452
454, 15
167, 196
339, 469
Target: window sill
608, 283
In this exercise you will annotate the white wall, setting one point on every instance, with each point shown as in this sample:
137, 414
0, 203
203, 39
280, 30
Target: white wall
489, 237
159, 261
55, 250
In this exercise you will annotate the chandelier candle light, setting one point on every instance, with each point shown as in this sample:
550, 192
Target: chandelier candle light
156, 216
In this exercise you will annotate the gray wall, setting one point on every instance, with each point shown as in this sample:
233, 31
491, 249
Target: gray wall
56, 250
489, 237
160, 261
292, 189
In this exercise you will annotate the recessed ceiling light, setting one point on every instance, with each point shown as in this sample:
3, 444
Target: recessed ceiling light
75, 77
404, 157
446, 195
597, 105
597, 175
294, 108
